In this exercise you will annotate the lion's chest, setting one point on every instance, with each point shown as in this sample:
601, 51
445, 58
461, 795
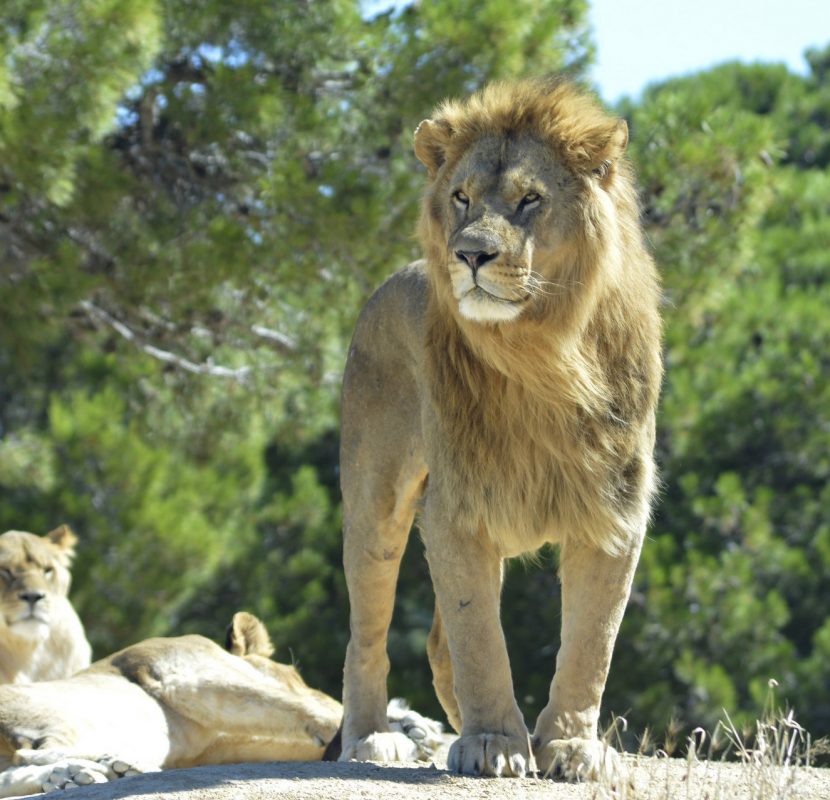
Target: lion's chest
521, 481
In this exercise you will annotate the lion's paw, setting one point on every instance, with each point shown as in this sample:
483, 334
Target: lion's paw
425, 733
578, 760
490, 754
73, 772
120, 768
385, 746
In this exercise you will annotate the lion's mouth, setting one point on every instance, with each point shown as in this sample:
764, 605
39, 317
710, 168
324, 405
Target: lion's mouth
30, 617
481, 305
31, 627
478, 292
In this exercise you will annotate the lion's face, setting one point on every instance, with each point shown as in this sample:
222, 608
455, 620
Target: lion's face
519, 217
33, 571
504, 208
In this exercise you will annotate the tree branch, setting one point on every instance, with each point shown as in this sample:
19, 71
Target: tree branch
240, 374
282, 340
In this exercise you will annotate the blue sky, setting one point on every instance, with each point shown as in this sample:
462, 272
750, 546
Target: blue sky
641, 41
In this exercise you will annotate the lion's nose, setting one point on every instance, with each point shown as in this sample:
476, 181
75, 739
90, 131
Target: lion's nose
32, 598
475, 258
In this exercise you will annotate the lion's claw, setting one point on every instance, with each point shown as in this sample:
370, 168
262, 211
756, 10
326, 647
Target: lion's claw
578, 760
490, 754
73, 772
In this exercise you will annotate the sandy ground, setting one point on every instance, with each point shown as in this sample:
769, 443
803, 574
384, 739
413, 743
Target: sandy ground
650, 779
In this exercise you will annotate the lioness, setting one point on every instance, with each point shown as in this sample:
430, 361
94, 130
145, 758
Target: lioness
174, 702
41, 637
509, 382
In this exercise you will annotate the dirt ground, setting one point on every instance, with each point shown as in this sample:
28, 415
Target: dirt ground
649, 779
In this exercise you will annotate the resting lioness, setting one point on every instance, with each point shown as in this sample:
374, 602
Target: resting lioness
41, 637
508, 383
174, 702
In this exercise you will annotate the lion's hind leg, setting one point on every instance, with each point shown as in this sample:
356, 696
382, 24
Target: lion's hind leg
438, 652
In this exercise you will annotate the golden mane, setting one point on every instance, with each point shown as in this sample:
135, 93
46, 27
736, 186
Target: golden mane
553, 110
563, 383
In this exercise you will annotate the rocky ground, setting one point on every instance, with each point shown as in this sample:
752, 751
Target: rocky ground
649, 779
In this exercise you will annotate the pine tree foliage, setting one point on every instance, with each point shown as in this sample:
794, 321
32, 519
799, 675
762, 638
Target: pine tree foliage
196, 198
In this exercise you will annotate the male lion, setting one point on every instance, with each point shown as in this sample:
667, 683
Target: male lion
41, 637
510, 380
174, 702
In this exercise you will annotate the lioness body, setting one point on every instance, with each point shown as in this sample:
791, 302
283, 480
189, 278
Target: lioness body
510, 381
41, 636
173, 702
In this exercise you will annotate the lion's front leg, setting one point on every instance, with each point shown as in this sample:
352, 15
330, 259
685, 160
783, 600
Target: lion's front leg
466, 573
595, 590
373, 546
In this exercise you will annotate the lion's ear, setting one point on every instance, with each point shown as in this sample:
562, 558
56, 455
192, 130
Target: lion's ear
64, 538
609, 151
431, 138
618, 141
246, 635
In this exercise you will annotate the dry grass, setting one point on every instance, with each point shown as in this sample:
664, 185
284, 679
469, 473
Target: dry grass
766, 762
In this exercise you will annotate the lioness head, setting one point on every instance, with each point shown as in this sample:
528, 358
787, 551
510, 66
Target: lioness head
34, 570
523, 203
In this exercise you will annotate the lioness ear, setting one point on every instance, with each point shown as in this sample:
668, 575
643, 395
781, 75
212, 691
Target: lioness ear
64, 538
246, 635
431, 138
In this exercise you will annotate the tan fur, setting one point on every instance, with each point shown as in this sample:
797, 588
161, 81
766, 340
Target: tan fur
41, 637
164, 703
177, 702
511, 381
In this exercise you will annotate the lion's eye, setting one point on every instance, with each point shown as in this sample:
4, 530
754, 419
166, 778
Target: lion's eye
460, 199
47, 571
530, 200
6, 575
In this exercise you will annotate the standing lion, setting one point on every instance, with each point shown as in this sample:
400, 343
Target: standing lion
508, 382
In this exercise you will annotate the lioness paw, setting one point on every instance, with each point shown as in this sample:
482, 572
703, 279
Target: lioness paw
578, 760
424, 732
386, 746
73, 772
490, 754
117, 767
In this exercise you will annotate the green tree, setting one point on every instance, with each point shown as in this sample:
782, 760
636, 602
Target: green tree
733, 588
195, 200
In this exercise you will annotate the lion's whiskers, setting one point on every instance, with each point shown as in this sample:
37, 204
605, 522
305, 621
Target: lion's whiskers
537, 285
